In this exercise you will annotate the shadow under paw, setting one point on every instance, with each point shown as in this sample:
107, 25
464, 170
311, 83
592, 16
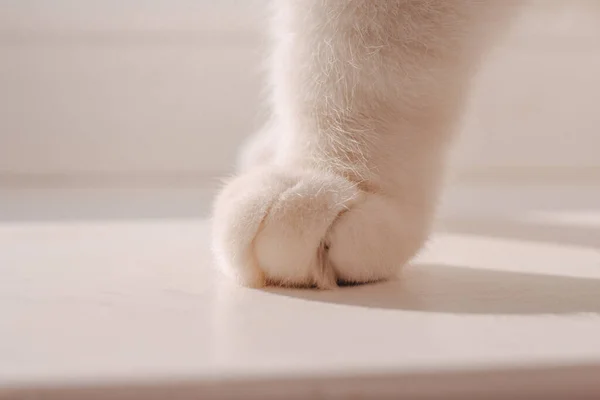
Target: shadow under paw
465, 290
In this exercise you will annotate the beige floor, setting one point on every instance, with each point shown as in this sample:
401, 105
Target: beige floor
510, 281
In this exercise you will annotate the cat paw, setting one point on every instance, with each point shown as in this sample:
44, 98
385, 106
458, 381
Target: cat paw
309, 229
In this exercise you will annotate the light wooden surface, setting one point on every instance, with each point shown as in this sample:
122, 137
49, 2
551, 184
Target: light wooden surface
132, 307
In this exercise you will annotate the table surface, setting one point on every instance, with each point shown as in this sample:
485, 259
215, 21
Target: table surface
112, 303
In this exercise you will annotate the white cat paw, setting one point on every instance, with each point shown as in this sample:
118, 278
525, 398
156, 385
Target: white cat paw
309, 229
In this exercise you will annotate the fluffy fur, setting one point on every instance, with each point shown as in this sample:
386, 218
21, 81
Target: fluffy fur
366, 96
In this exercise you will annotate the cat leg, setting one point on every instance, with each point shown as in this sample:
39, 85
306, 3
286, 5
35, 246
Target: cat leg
366, 98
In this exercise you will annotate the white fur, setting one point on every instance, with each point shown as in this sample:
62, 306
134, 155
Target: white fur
366, 97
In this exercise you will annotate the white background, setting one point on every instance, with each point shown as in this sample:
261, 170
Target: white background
168, 88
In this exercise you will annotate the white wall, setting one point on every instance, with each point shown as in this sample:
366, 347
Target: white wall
170, 87
535, 106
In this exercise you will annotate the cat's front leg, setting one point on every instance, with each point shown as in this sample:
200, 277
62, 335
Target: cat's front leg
366, 96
